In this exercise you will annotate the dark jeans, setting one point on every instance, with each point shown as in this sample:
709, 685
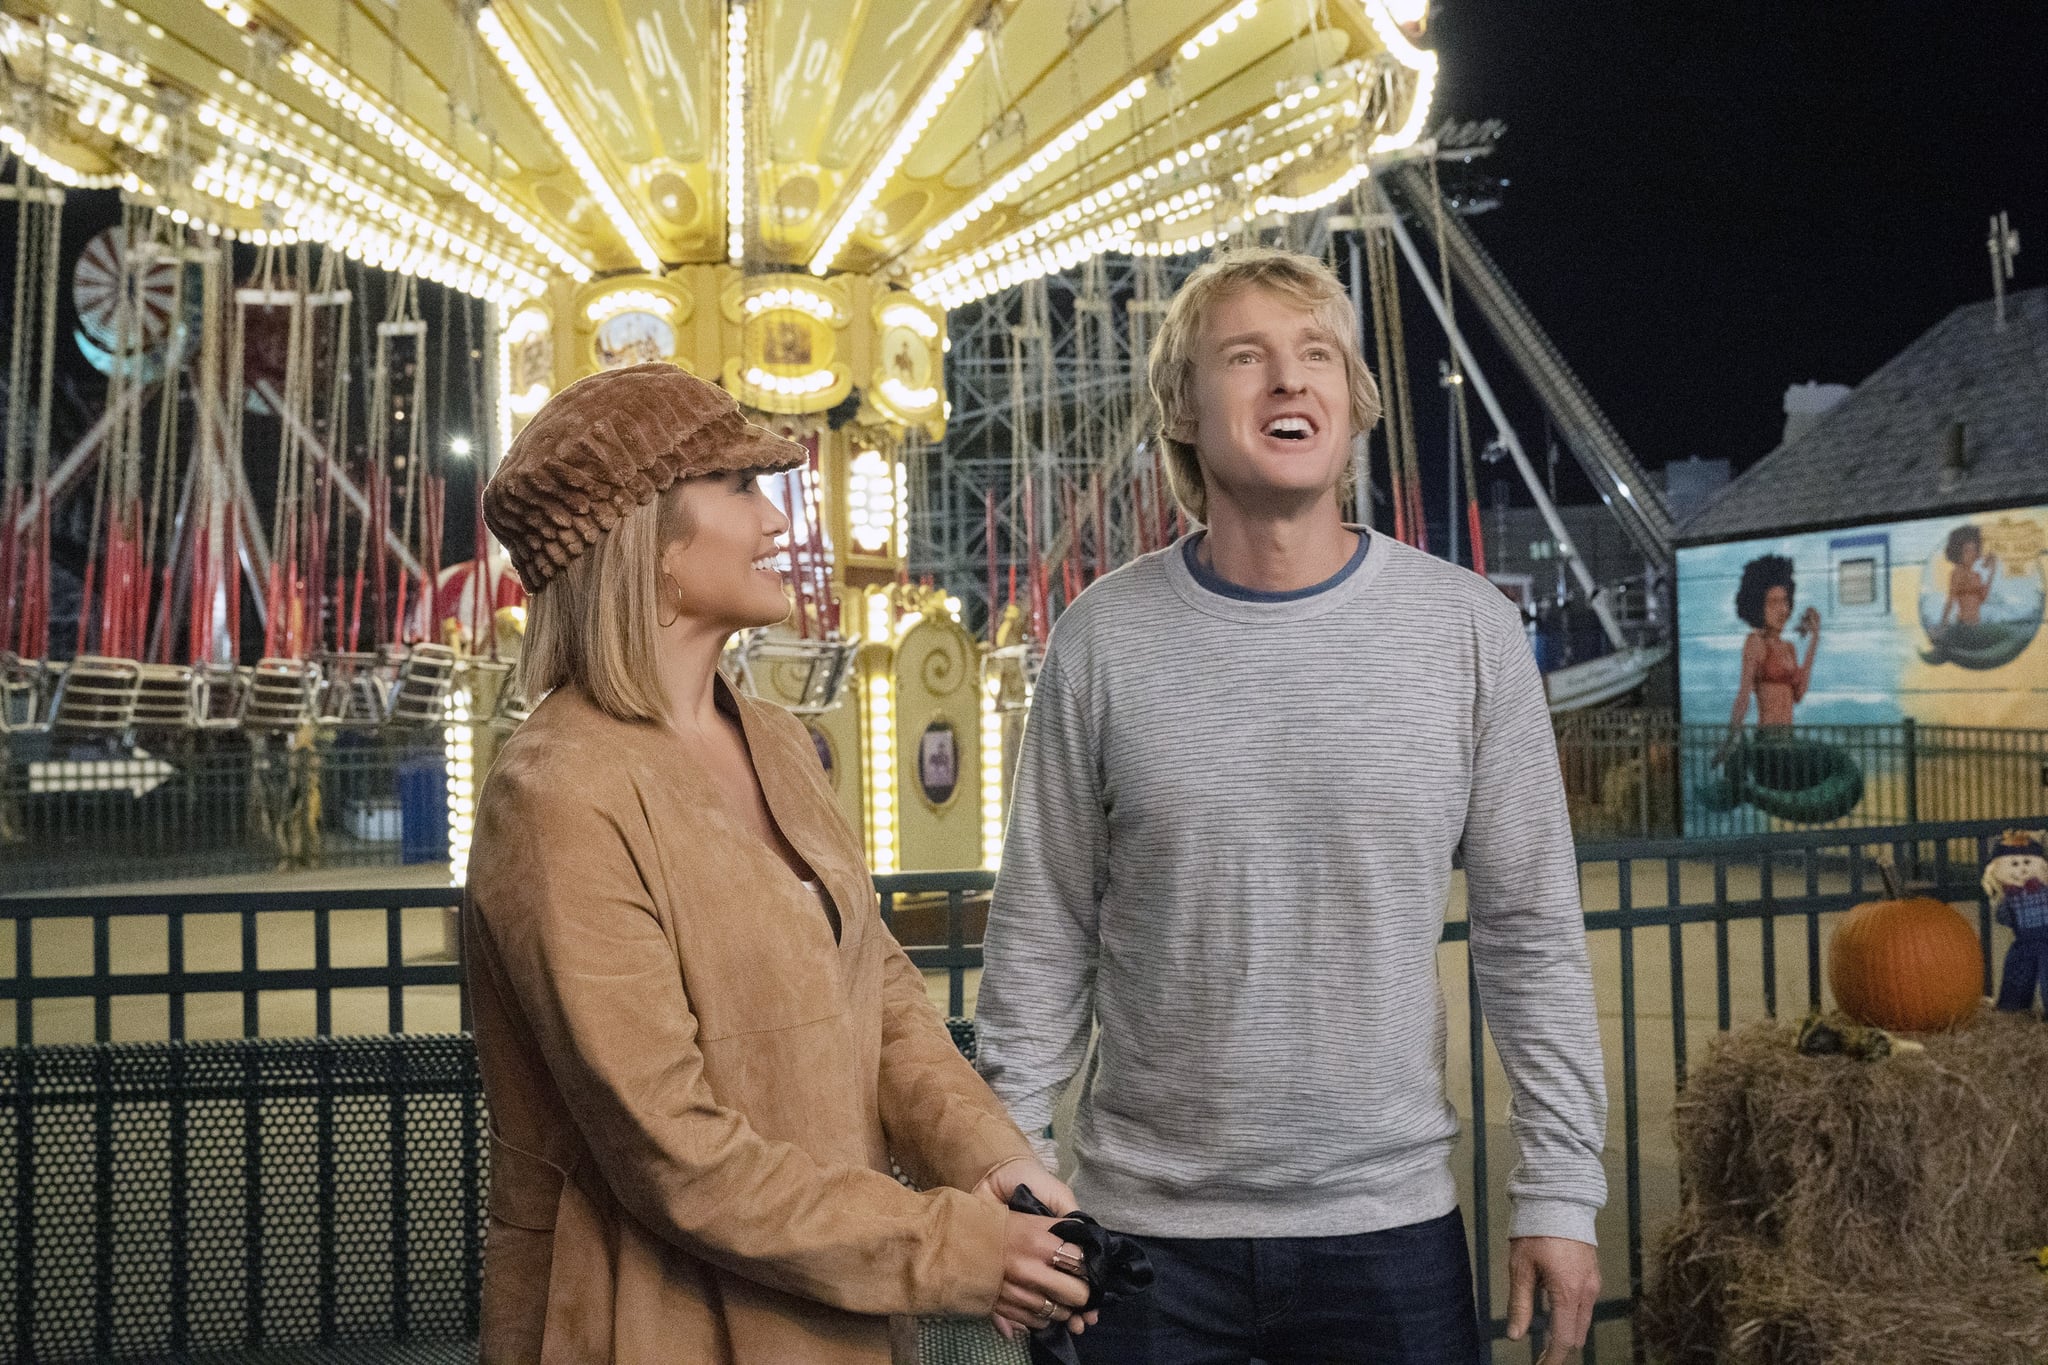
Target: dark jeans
2026, 969
1398, 1297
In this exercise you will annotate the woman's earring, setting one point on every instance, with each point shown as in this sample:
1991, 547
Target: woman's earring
670, 579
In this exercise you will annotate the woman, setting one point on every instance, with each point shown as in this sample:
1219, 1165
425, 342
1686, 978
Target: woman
1772, 671
1968, 589
700, 1045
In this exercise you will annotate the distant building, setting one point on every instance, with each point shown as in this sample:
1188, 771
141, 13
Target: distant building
1806, 404
1518, 542
1912, 516
1688, 484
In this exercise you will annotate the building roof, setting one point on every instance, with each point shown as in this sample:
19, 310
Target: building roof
1881, 454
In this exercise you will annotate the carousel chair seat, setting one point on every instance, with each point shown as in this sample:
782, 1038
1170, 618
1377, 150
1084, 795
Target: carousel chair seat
493, 679
95, 696
352, 689
419, 700
512, 709
819, 668
281, 694
222, 688
167, 697
24, 694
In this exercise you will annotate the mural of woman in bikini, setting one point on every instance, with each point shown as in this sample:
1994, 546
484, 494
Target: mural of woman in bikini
1772, 671
1797, 779
1969, 582
1981, 596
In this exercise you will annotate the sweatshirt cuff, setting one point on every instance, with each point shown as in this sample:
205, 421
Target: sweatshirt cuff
1553, 1218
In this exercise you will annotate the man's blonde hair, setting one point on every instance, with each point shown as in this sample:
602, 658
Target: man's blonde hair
1170, 369
593, 625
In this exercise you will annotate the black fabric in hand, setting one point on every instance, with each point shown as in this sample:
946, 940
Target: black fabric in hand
1114, 1265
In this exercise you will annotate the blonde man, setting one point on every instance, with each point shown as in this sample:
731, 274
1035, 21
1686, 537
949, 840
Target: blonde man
1251, 760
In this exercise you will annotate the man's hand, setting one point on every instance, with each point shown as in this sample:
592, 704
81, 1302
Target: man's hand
1567, 1275
1000, 1183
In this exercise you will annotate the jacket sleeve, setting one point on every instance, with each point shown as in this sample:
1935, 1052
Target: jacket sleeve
590, 967
1037, 1002
944, 1124
1528, 948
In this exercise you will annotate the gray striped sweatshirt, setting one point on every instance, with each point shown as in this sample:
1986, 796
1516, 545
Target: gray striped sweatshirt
1230, 847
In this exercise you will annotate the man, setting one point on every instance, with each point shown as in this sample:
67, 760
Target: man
1250, 761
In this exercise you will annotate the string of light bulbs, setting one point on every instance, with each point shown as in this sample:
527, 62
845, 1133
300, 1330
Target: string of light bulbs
1015, 179
327, 175
907, 134
368, 110
499, 39
736, 133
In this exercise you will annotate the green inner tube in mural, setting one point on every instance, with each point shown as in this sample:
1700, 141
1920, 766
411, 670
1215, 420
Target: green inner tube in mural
1800, 780
1987, 644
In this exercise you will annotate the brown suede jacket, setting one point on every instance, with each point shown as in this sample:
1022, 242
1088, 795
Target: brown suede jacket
695, 1091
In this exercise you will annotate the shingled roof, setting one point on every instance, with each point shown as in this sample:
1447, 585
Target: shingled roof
1880, 454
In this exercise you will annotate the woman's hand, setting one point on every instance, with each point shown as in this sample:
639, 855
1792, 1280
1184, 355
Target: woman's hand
1002, 1182
1035, 1292
1809, 621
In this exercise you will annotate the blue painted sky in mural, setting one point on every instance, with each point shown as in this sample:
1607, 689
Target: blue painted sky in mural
1880, 658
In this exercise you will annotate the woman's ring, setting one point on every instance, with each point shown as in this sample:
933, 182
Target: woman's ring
1045, 1313
1067, 1259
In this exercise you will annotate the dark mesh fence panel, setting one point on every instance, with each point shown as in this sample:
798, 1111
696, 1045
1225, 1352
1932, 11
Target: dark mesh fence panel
253, 1194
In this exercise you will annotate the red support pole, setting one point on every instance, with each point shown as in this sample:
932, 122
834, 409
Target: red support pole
272, 625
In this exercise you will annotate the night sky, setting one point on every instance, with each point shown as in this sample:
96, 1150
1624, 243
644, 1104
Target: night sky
1704, 203
1707, 203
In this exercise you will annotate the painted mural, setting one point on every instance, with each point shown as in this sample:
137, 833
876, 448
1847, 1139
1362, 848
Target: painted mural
1938, 620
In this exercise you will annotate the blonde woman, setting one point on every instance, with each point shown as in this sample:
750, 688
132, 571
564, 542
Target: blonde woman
700, 1045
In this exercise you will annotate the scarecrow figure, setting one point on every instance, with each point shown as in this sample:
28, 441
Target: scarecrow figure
2016, 881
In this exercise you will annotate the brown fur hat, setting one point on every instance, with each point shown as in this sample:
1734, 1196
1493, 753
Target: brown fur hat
609, 443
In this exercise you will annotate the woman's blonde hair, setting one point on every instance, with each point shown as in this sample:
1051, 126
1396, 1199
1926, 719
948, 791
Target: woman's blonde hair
593, 624
1170, 369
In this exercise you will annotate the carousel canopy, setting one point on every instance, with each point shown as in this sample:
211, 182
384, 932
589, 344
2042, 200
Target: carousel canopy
950, 146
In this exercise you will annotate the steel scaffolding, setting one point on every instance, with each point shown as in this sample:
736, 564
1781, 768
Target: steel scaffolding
1049, 457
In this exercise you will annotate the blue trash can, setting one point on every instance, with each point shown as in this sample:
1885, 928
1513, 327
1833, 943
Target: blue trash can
423, 810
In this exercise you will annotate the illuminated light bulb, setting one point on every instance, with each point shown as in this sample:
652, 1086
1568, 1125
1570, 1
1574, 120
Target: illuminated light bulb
927, 107
499, 39
736, 132
311, 71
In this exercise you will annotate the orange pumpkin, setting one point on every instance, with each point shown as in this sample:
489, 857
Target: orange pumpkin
1912, 965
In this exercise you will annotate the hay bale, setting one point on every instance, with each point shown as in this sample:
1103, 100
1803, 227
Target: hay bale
1839, 1211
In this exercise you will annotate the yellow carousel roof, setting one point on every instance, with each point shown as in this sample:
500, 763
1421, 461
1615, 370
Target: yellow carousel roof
953, 146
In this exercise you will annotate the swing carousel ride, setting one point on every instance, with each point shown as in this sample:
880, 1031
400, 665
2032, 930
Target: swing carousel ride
343, 221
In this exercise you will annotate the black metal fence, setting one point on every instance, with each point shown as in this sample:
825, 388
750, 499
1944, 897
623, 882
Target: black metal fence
1688, 938
1642, 775
250, 1195
200, 804
280, 964
234, 802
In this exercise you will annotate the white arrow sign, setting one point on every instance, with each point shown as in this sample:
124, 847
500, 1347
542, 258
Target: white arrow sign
138, 776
